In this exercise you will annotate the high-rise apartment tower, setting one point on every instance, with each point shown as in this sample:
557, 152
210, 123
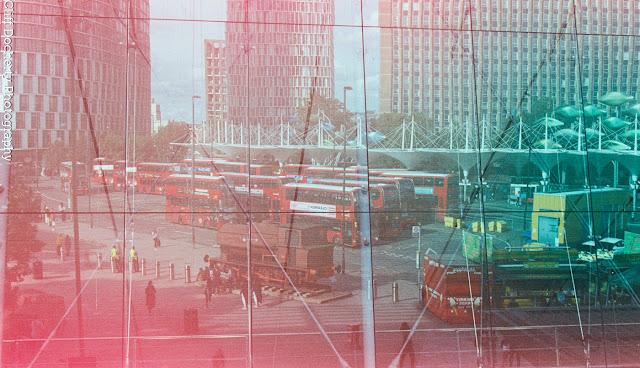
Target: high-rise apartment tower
215, 70
524, 51
288, 46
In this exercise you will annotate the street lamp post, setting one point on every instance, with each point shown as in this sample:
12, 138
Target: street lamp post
193, 167
344, 168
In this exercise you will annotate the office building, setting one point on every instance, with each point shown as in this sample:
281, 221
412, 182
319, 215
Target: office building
288, 46
525, 51
48, 103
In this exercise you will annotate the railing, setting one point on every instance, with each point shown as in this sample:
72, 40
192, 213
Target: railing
540, 346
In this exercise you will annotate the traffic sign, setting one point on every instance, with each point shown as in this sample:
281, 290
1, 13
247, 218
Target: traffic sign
415, 231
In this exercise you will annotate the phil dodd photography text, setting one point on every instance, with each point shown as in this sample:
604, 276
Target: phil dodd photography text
7, 78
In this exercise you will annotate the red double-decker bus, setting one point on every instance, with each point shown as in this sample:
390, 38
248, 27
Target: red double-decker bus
102, 171
150, 176
266, 193
124, 175
206, 166
405, 189
66, 174
366, 170
295, 171
386, 213
338, 208
405, 186
313, 173
241, 167
207, 200
452, 292
437, 195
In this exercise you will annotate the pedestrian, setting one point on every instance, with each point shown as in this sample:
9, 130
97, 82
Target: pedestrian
514, 355
506, 353
215, 280
52, 220
46, 215
156, 239
225, 281
208, 290
408, 345
151, 296
200, 276
562, 297
59, 243
67, 244
115, 257
63, 215
134, 259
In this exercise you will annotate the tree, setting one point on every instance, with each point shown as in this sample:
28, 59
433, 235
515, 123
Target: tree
541, 108
22, 242
111, 146
388, 122
54, 155
145, 151
331, 107
174, 132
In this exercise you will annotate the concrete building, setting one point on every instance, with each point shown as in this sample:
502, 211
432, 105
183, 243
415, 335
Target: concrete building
156, 117
48, 102
215, 82
288, 46
524, 51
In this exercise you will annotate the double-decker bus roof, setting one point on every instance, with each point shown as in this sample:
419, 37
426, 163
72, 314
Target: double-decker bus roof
204, 161
188, 176
401, 174
320, 167
320, 186
159, 163
252, 176
338, 182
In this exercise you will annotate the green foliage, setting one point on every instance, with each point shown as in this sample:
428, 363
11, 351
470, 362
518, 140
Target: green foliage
54, 155
148, 148
144, 149
331, 107
111, 146
174, 132
388, 122
22, 242
543, 107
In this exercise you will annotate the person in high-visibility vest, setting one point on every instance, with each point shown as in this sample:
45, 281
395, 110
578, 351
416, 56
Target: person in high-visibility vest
134, 259
115, 257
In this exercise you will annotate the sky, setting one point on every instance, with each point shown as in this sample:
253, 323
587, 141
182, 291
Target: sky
176, 42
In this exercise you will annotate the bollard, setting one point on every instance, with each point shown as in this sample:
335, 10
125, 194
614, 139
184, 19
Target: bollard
157, 269
394, 292
144, 266
99, 260
374, 290
353, 336
187, 273
113, 265
172, 273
